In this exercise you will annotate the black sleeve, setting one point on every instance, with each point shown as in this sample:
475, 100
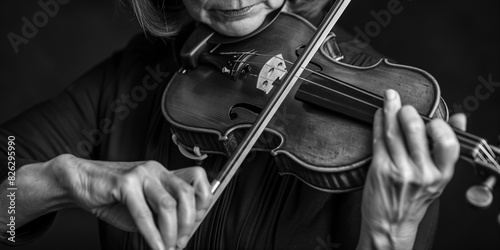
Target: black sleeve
52, 128
67, 123
46, 131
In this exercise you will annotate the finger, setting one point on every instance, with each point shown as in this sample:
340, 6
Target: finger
379, 148
446, 146
125, 221
393, 136
165, 206
135, 201
197, 177
415, 135
458, 121
186, 206
379, 167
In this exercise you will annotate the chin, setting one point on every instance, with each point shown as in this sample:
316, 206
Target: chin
240, 27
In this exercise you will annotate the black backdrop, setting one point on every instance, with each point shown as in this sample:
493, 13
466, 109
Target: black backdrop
456, 41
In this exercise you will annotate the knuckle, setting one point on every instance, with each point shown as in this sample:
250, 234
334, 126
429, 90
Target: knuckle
152, 164
133, 176
407, 111
128, 179
442, 133
141, 169
448, 142
390, 133
185, 189
416, 153
419, 157
428, 180
408, 177
431, 178
414, 126
198, 171
167, 202
436, 126
402, 177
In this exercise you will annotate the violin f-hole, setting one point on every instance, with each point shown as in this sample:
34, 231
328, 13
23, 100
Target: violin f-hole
299, 51
246, 106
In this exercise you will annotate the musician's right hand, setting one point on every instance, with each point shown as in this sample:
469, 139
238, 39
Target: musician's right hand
162, 205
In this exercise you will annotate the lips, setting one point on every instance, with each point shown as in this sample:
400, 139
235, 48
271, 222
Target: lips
235, 12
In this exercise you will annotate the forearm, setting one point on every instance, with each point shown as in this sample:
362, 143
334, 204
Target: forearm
39, 191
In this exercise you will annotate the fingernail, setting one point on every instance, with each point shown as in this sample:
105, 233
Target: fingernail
160, 246
183, 242
390, 94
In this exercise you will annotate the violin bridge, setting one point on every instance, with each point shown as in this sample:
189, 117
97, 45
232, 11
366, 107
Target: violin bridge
274, 69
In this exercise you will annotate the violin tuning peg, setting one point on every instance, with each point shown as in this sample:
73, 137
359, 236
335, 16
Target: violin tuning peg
481, 195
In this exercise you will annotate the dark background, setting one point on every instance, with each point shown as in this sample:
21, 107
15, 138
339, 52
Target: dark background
455, 41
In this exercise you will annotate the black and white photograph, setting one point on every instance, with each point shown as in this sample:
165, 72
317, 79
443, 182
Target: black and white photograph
250, 124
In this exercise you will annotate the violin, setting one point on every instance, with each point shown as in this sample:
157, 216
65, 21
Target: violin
321, 131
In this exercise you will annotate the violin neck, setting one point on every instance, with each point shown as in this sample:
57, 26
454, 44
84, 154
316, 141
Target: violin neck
341, 97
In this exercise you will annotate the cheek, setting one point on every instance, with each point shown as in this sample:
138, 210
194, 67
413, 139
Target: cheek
195, 9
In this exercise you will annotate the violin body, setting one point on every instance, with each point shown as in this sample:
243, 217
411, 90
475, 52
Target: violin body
212, 106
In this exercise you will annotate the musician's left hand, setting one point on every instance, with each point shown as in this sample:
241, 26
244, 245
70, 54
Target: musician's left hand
405, 175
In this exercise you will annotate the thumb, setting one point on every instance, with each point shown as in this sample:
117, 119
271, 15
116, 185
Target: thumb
458, 121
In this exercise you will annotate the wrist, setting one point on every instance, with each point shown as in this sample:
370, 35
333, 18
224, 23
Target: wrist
62, 171
387, 235
39, 191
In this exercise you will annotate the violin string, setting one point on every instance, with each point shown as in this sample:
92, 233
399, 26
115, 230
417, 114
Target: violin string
489, 156
329, 89
301, 78
264, 55
284, 71
481, 148
256, 54
478, 140
487, 147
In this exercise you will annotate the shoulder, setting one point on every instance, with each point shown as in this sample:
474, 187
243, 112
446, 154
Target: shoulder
146, 61
142, 51
147, 48
124, 67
